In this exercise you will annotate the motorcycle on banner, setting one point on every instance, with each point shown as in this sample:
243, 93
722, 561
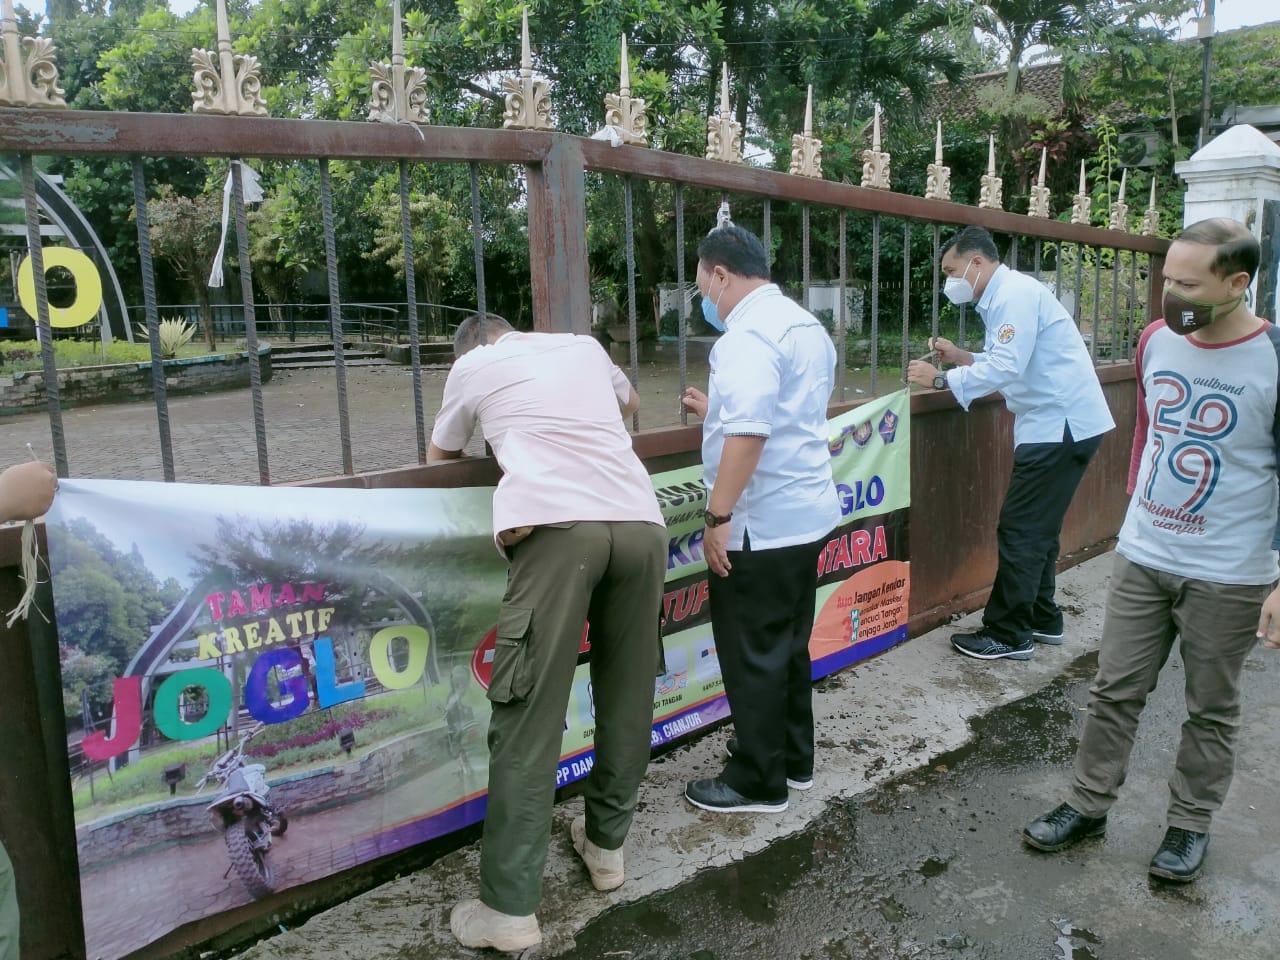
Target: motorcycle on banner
245, 816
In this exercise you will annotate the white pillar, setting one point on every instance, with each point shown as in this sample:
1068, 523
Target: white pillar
1237, 175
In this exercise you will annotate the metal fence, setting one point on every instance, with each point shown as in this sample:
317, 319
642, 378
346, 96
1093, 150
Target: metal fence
1110, 279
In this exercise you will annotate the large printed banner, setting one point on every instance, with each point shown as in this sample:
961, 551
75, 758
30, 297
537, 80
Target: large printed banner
266, 686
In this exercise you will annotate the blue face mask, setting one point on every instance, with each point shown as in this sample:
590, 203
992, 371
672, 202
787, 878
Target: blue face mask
711, 312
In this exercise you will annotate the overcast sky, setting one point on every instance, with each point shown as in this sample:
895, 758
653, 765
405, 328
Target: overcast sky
1230, 14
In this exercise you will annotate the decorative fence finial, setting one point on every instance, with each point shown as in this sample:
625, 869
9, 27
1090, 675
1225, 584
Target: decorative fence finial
937, 183
623, 111
1040, 193
991, 194
528, 100
1081, 203
1120, 209
806, 149
399, 92
1151, 219
724, 134
225, 82
30, 81
875, 162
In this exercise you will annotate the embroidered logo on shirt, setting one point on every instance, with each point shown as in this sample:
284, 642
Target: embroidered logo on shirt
1005, 333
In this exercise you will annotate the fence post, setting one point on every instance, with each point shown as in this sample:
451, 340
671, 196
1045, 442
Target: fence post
558, 239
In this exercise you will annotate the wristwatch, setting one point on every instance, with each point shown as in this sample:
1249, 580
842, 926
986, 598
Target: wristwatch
939, 381
713, 519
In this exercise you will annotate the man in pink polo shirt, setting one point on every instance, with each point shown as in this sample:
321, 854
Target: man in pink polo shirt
576, 515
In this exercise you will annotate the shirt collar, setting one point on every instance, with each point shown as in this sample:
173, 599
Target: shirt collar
759, 293
984, 304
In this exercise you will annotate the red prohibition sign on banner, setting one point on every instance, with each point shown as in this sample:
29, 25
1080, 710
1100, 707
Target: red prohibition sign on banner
482, 658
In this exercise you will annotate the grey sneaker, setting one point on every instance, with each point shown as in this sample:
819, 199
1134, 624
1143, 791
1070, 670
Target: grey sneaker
1048, 637
982, 646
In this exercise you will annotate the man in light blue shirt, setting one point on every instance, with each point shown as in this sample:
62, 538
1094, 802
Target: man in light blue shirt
771, 506
1034, 356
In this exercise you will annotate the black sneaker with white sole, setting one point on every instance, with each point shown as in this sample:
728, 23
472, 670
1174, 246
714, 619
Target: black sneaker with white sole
982, 646
1049, 637
718, 797
795, 783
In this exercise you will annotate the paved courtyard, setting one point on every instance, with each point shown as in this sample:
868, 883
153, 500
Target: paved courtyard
213, 437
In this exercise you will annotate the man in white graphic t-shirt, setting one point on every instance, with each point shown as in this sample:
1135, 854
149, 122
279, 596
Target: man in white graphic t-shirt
1196, 557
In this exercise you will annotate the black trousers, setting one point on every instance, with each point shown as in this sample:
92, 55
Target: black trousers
762, 617
1044, 479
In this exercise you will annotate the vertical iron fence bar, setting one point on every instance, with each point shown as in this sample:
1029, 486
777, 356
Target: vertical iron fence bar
937, 246
1013, 252
250, 323
477, 241
906, 297
1038, 255
964, 315
1057, 265
842, 328
43, 326
768, 232
159, 391
1133, 299
631, 295
1097, 306
411, 303
1076, 308
335, 314
875, 302
682, 344
1115, 298
804, 255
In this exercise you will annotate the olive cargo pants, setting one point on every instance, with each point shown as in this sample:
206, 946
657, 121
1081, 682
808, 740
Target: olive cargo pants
561, 576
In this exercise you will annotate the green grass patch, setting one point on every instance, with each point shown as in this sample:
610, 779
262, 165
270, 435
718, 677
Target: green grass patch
21, 355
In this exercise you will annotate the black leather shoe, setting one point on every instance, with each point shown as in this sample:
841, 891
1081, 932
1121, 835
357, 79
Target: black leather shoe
1060, 828
718, 797
1180, 856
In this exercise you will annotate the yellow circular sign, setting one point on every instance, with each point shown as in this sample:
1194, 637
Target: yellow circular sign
88, 287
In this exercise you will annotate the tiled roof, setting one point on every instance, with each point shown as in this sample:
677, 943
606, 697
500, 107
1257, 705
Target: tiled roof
960, 101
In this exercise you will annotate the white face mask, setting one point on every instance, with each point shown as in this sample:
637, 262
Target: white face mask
959, 290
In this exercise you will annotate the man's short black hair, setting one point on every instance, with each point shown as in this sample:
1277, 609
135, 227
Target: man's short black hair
737, 250
475, 330
972, 240
1237, 251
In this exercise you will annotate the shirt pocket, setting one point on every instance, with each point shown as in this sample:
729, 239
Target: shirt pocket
511, 680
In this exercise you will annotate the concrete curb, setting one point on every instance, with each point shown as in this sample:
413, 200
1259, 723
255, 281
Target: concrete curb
875, 721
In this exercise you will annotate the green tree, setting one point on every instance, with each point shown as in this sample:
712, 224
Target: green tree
184, 234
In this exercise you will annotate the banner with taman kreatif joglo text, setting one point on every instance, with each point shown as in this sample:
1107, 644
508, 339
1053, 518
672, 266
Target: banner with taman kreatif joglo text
266, 686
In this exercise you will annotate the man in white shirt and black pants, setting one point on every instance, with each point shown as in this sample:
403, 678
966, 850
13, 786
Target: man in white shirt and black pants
771, 506
1034, 356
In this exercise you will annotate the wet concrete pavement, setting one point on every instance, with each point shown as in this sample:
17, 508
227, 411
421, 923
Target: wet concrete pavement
907, 845
929, 866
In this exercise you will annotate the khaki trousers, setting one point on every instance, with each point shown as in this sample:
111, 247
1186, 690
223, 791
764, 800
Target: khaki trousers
561, 576
1146, 610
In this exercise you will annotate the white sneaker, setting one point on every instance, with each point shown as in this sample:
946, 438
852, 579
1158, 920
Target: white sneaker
477, 925
605, 866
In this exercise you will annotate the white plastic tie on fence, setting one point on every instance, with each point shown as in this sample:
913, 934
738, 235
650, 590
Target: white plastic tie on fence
614, 135
251, 187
